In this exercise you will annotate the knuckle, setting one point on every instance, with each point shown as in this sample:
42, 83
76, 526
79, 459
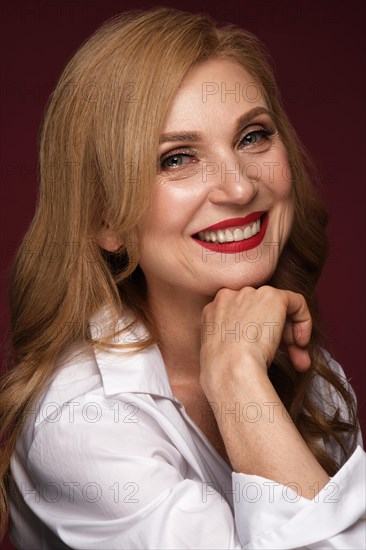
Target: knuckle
206, 310
223, 294
248, 290
246, 293
267, 289
268, 292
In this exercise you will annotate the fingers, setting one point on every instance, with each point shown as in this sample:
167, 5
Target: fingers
299, 357
283, 313
297, 331
298, 328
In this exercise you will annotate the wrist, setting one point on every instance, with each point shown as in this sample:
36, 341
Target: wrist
242, 377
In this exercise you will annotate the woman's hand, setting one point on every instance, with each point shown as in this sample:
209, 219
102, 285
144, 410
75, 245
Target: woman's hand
246, 327
242, 331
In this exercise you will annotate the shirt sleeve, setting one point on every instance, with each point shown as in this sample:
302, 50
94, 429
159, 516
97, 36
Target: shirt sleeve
276, 516
271, 515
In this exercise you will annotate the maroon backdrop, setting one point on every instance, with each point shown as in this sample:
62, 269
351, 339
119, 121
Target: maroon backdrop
318, 50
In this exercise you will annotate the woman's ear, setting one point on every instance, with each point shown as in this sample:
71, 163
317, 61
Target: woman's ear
108, 239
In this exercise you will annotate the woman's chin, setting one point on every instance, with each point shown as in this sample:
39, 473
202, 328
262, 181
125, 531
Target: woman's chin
238, 283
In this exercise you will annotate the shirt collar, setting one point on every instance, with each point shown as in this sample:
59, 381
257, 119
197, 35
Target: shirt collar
127, 370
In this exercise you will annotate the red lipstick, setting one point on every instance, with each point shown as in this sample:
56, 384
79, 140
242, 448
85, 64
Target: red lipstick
240, 246
234, 222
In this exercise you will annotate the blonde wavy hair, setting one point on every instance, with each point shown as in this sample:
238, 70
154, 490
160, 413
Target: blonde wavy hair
106, 112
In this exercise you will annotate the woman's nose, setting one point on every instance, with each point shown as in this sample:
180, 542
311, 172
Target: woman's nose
231, 181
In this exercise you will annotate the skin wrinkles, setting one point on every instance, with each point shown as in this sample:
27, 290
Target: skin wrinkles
194, 136
184, 203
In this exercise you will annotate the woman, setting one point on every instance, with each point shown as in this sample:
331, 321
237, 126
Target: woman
170, 389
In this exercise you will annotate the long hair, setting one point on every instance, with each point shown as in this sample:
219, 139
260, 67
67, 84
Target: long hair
105, 114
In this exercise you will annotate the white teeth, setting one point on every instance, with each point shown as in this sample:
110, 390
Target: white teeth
248, 232
229, 235
238, 235
220, 236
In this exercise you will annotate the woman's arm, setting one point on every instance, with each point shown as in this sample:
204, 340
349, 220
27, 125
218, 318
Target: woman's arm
285, 496
234, 370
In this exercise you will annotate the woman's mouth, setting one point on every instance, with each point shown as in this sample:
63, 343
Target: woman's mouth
234, 238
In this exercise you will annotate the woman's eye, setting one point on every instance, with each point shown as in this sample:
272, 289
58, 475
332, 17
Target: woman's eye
175, 161
256, 136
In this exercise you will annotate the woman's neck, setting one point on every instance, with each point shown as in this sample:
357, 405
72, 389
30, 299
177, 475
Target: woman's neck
179, 324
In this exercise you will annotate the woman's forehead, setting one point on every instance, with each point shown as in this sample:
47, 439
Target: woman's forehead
213, 90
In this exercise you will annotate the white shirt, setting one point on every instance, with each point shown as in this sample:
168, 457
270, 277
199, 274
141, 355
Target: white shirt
109, 459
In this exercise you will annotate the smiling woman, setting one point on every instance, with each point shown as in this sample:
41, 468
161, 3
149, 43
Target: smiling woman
218, 179
192, 404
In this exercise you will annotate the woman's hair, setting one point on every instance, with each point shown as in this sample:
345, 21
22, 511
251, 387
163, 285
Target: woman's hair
98, 161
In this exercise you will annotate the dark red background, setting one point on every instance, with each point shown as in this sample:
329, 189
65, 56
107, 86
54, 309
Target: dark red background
318, 49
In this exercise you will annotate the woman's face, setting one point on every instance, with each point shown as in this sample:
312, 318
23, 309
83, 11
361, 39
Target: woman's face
222, 207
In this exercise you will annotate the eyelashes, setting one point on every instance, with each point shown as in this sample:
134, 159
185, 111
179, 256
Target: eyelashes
255, 139
263, 134
177, 156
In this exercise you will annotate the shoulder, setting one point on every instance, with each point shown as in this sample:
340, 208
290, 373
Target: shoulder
75, 373
327, 397
97, 404
332, 363
322, 389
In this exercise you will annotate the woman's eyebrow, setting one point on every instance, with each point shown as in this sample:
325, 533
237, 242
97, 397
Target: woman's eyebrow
181, 136
245, 119
197, 136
